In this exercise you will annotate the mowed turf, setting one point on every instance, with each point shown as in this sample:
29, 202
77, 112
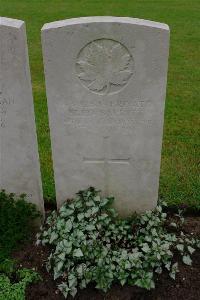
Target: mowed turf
179, 178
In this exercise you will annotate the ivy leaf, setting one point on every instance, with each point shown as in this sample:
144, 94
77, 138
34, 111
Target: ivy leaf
187, 260
180, 247
172, 275
174, 270
65, 292
67, 244
80, 216
127, 265
73, 291
63, 287
38, 242
80, 270
190, 249
72, 280
83, 284
62, 256
94, 210
123, 281
158, 270
56, 274
53, 237
104, 202
68, 226
59, 265
90, 227
145, 248
66, 211
97, 198
103, 216
89, 203
77, 253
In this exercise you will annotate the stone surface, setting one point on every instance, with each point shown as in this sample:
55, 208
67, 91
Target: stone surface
106, 82
19, 161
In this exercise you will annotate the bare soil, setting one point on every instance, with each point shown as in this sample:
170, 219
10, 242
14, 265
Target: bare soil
185, 287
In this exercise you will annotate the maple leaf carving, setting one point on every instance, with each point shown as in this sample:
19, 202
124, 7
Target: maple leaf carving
104, 64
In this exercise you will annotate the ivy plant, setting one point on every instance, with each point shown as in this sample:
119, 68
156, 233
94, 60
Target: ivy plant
90, 243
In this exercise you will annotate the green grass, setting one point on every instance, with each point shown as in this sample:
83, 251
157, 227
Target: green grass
179, 179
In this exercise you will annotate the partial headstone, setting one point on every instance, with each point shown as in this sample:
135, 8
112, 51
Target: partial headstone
106, 81
19, 160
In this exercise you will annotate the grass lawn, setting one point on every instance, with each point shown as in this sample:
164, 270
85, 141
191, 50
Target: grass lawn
179, 179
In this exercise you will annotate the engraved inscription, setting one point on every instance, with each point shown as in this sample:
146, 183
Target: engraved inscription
104, 66
113, 114
5, 102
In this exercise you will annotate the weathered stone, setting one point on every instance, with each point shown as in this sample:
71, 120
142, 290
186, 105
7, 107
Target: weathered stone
19, 161
106, 82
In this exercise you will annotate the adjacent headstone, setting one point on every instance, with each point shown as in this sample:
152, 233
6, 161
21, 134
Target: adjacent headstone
19, 161
106, 82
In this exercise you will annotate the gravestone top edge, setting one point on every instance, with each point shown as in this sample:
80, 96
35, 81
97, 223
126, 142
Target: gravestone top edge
104, 19
11, 22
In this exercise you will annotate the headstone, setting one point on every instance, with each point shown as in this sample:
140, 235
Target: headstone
19, 161
106, 82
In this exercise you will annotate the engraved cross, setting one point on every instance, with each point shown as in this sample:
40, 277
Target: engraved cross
106, 161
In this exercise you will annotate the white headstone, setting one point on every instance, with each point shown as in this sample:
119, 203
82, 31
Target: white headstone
19, 161
106, 82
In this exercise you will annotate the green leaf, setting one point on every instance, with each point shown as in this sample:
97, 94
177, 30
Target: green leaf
159, 208
187, 260
68, 226
123, 281
158, 270
73, 292
90, 227
127, 265
97, 199
145, 248
94, 210
104, 202
77, 253
89, 203
63, 287
59, 266
180, 247
67, 244
172, 275
72, 281
62, 256
80, 270
53, 237
80, 216
190, 249
68, 212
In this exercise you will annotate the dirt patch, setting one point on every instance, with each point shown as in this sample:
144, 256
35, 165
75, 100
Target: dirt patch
185, 287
